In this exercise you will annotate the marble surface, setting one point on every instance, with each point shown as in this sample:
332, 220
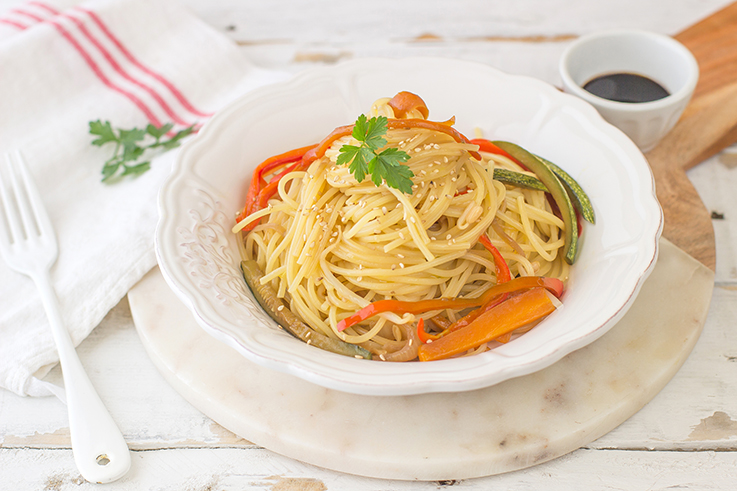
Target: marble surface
509, 426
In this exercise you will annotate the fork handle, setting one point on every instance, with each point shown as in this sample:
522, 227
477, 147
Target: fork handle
100, 451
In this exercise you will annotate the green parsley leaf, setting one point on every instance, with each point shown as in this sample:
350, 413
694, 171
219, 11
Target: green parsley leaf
104, 131
131, 145
385, 166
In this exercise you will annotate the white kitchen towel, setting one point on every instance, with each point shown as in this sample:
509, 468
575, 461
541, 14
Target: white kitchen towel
63, 64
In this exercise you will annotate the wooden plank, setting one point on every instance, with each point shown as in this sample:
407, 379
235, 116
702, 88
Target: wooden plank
713, 41
259, 469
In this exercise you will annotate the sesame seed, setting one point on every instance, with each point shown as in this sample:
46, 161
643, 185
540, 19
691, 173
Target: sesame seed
401, 265
280, 308
400, 256
445, 159
412, 219
448, 237
382, 357
383, 210
359, 278
418, 150
394, 266
309, 341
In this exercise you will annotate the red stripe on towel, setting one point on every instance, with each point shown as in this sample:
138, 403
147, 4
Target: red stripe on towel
174, 91
95, 68
15, 24
116, 66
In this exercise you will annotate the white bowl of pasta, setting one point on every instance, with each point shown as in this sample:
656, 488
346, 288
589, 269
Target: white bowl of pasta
352, 260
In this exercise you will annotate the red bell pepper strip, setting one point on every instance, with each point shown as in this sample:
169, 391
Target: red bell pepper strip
263, 169
400, 307
502, 269
489, 147
503, 275
517, 311
423, 335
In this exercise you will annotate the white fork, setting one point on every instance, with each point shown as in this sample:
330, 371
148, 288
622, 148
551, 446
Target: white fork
28, 244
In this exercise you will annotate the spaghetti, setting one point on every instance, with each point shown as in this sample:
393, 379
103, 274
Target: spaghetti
330, 246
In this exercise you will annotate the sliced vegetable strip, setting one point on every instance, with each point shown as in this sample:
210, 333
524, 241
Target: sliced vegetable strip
422, 334
266, 167
490, 147
274, 306
503, 275
517, 311
554, 285
556, 190
404, 102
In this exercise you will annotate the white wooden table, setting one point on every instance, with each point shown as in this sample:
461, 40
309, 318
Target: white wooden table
686, 438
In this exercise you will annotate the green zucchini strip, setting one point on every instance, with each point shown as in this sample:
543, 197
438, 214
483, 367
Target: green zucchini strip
556, 190
277, 310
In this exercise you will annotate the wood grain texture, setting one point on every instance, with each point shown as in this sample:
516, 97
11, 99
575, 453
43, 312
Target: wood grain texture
707, 126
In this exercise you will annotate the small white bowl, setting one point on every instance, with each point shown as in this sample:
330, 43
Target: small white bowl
199, 258
655, 56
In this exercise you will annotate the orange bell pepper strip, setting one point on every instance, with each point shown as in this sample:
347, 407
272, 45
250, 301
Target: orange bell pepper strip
554, 285
404, 102
517, 311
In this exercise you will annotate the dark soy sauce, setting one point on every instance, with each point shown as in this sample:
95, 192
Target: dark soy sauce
626, 87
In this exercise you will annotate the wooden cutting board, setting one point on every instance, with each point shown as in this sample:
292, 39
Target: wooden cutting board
708, 125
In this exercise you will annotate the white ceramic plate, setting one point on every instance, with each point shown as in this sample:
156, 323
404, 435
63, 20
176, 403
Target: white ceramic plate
198, 255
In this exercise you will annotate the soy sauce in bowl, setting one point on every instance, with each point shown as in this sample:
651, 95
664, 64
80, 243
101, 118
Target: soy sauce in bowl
626, 87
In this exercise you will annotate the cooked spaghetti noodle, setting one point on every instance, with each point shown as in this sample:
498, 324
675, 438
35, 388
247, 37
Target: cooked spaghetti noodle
329, 245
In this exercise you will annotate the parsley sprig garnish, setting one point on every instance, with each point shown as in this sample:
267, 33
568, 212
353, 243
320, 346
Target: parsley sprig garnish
130, 145
385, 166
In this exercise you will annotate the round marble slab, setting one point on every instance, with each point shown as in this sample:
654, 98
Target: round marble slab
509, 426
